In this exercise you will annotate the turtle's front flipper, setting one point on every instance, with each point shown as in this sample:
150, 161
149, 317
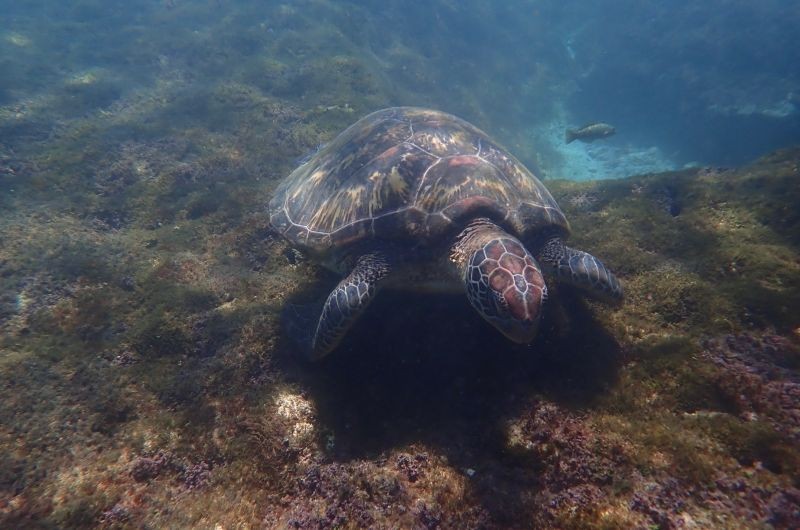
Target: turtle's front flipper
347, 301
580, 269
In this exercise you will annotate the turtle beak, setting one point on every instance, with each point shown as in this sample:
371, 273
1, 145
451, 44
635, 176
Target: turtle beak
505, 285
521, 319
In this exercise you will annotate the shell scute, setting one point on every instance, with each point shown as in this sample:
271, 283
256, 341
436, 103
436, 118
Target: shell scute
460, 177
410, 173
442, 142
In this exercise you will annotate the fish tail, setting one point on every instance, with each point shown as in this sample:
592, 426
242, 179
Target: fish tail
570, 135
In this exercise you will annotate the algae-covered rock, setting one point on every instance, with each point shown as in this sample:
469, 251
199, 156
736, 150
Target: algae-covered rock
157, 346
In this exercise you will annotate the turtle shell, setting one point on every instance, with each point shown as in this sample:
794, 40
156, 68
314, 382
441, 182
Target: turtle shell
408, 173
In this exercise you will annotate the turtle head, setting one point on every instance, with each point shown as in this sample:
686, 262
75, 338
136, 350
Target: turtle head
505, 285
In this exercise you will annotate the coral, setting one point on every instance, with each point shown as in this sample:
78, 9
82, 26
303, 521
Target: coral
758, 375
115, 515
191, 476
749, 502
560, 443
412, 466
196, 476
728, 501
341, 496
573, 463
573, 507
663, 503
583, 200
149, 467
126, 357
784, 509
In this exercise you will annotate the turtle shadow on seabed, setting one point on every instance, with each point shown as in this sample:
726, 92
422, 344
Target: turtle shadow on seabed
426, 369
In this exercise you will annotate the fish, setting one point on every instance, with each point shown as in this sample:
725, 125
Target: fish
590, 132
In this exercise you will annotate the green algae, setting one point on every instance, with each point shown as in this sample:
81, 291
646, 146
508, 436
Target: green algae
207, 380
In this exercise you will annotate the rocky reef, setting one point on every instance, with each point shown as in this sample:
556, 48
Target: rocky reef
147, 381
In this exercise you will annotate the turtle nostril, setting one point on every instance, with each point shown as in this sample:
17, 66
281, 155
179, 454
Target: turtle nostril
520, 283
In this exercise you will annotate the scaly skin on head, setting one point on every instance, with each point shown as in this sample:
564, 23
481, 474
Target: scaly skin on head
504, 282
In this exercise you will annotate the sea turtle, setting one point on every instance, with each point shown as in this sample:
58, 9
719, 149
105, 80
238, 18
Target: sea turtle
419, 199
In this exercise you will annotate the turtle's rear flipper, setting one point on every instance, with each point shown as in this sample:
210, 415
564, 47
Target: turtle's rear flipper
582, 270
347, 301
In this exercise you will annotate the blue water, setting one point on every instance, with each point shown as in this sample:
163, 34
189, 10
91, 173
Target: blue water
684, 82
